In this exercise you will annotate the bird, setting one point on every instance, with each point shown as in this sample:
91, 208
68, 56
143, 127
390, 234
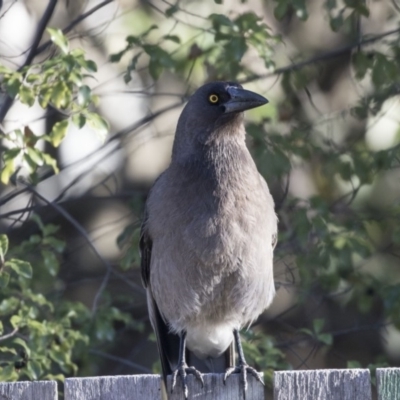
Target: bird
207, 239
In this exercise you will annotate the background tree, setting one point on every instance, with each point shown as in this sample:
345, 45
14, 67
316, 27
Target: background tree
89, 98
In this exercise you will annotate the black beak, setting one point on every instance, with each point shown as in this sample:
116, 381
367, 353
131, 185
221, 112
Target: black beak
242, 100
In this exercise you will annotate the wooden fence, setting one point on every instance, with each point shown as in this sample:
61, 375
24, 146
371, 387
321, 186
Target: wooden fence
330, 384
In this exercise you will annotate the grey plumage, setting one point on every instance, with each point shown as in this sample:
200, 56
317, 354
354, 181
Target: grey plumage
209, 232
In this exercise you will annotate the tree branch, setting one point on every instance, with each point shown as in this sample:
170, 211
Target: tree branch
84, 234
35, 49
322, 57
75, 22
32, 52
9, 335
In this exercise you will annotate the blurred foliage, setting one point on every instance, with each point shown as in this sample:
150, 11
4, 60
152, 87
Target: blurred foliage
231, 39
43, 340
45, 333
57, 83
325, 240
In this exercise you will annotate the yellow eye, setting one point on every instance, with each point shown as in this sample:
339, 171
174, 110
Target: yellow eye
213, 98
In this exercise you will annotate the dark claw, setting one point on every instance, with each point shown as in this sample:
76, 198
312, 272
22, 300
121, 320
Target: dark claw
183, 370
243, 369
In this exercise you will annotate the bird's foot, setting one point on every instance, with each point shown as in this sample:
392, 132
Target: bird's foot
183, 370
243, 369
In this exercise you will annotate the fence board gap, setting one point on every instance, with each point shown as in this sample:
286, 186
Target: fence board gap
388, 383
328, 384
215, 389
125, 387
44, 390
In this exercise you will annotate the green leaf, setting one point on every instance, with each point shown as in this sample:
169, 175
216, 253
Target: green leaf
8, 306
325, 338
218, 1
360, 112
363, 10
133, 40
79, 120
26, 95
50, 229
172, 38
3, 247
31, 78
12, 85
172, 10
318, 324
8, 350
301, 9
236, 48
57, 244
130, 258
49, 160
358, 6
131, 67
59, 356
116, 57
54, 377
7, 171
159, 55
155, 69
58, 132
396, 235
331, 4
146, 32
61, 95
160, 59
5, 70
34, 369
8, 374
4, 279
361, 63
99, 124
58, 38
11, 154
21, 267
35, 156
336, 22
84, 95
22, 343
90, 66
306, 331
281, 9
353, 364
220, 20
384, 70
15, 321
51, 262
44, 96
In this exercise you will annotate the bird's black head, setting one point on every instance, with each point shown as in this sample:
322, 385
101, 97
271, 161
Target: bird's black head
222, 101
213, 107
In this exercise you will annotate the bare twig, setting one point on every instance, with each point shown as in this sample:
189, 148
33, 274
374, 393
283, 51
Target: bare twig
9, 335
322, 57
32, 52
84, 234
74, 23
35, 49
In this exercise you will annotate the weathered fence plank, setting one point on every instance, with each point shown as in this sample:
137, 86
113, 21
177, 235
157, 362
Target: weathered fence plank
346, 384
44, 390
388, 383
329, 384
215, 389
129, 387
